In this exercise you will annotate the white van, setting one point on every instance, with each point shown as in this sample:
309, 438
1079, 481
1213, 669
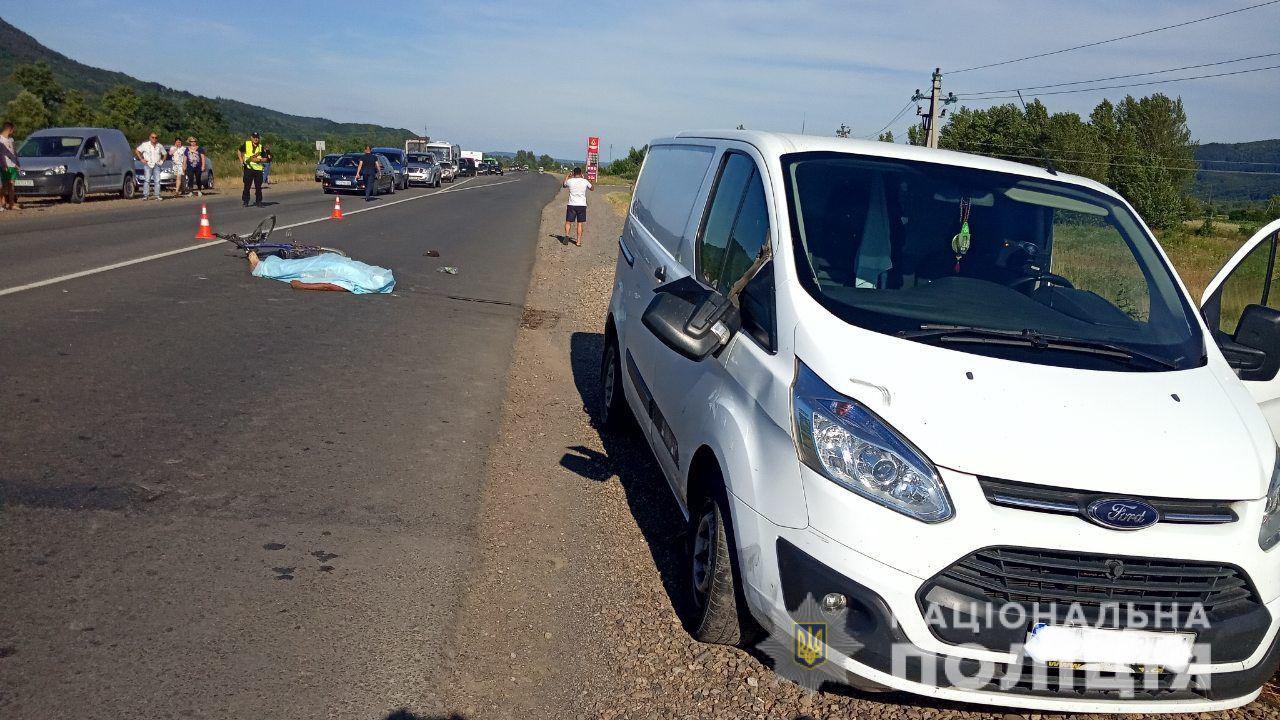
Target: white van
952, 425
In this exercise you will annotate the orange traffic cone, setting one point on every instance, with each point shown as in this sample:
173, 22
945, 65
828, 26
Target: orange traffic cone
337, 208
206, 232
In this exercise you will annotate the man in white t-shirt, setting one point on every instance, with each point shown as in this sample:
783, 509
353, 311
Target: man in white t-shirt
152, 153
576, 210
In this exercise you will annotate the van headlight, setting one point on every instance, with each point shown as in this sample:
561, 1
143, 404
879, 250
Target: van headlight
1269, 533
849, 445
56, 170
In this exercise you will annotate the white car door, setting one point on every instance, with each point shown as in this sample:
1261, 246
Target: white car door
665, 206
1250, 277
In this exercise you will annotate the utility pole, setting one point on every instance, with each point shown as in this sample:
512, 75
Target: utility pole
843, 131
931, 122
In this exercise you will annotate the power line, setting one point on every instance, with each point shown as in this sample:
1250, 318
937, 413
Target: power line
979, 143
891, 122
1117, 77
1129, 85
1114, 39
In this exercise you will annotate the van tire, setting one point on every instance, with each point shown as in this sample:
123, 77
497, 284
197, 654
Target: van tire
717, 609
614, 413
129, 188
78, 190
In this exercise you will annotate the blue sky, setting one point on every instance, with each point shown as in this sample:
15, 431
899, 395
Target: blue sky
544, 76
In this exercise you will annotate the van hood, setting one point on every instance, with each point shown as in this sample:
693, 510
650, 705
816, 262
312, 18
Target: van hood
40, 164
1193, 434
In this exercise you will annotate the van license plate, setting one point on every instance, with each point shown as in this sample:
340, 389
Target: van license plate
1066, 644
24, 183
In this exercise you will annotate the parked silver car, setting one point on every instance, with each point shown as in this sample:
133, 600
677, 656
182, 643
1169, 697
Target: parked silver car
74, 162
166, 174
423, 170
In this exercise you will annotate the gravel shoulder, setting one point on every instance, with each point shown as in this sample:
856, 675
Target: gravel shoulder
570, 612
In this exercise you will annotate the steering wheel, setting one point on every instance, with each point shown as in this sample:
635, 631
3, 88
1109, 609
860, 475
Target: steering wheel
1044, 277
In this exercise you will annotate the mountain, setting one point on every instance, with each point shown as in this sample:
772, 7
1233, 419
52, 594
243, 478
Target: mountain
17, 47
1238, 186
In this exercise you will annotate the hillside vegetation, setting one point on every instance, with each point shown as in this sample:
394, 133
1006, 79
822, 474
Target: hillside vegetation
89, 85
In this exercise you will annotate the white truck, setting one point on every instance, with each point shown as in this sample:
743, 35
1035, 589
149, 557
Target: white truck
443, 150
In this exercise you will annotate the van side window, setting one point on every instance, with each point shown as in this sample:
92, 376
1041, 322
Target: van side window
735, 228
92, 149
667, 189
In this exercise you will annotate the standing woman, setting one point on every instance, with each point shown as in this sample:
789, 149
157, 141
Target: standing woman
178, 161
195, 167
8, 168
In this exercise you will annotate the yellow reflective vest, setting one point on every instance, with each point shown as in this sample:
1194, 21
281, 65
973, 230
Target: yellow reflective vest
249, 151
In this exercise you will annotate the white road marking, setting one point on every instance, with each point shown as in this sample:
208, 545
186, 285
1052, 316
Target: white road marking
209, 244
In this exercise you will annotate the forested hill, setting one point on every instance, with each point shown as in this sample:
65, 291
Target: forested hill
17, 47
1260, 156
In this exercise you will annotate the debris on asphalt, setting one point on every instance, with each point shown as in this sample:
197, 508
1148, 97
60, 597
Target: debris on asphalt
432, 253
449, 269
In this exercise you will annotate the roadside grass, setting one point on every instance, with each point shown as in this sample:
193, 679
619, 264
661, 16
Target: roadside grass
620, 200
227, 171
614, 180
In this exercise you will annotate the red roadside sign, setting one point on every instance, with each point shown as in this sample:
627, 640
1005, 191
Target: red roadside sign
593, 158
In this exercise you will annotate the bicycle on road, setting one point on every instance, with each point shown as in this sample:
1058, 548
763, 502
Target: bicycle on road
258, 242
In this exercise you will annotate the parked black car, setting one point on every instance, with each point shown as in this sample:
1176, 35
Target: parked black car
326, 162
342, 176
399, 162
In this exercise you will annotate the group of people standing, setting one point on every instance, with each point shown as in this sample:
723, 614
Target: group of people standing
188, 165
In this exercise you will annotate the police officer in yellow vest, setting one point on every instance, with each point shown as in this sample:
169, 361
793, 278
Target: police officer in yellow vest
251, 158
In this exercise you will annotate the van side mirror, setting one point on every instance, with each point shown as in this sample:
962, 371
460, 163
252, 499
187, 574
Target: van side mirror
1254, 351
690, 318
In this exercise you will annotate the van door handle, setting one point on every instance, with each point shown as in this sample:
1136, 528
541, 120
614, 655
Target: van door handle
661, 273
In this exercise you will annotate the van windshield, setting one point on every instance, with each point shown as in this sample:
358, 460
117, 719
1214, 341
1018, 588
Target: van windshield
986, 262
50, 146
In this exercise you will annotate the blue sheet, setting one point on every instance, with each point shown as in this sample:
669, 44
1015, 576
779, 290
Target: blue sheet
332, 268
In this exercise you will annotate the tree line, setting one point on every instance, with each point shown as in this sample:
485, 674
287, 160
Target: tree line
1141, 147
43, 102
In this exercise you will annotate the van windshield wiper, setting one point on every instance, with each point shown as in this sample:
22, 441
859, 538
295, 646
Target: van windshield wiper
1032, 339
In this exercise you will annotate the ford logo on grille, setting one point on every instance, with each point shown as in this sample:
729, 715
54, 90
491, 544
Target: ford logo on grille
1122, 513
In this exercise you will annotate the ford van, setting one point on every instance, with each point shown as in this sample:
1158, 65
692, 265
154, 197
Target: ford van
952, 425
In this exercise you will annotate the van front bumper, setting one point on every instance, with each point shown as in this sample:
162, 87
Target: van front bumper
887, 636
41, 184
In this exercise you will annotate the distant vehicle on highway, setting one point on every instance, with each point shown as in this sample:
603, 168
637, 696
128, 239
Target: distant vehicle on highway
399, 162
490, 168
468, 167
417, 145
424, 170
448, 172
322, 167
475, 155
74, 162
444, 150
167, 177
342, 176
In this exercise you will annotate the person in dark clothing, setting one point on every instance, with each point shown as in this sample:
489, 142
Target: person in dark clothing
251, 157
367, 170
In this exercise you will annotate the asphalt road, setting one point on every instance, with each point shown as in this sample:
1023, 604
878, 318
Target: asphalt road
220, 497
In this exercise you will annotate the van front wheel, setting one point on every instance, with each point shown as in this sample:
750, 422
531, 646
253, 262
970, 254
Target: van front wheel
716, 616
613, 405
